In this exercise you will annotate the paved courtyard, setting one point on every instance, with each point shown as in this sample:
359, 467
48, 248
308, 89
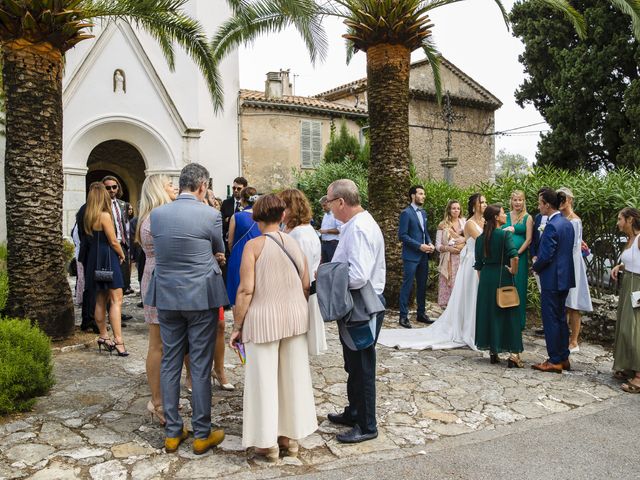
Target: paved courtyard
94, 423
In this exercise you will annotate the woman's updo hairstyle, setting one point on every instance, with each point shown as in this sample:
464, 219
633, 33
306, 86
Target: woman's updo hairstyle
471, 204
268, 209
248, 196
634, 214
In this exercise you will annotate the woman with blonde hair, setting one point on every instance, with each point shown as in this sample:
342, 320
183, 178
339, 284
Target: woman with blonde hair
297, 222
520, 224
450, 241
103, 274
579, 298
156, 191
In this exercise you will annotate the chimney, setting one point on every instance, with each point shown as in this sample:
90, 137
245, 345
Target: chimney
277, 84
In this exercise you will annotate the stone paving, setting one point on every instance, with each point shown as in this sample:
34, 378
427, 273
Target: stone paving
94, 423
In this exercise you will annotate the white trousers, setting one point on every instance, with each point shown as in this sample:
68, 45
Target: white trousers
278, 395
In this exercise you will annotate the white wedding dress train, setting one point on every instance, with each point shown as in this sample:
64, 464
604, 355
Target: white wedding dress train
456, 327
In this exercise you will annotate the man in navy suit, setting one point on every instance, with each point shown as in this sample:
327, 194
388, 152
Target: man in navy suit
554, 264
538, 225
416, 247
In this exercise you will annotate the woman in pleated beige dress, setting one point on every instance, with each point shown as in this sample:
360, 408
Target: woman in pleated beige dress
271, 318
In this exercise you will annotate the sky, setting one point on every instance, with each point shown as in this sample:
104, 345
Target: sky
470, 34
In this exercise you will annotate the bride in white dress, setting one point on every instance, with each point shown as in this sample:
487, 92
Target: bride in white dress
456, 327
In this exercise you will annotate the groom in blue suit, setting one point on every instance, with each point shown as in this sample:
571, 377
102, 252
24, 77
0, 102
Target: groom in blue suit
554, 265
416, 247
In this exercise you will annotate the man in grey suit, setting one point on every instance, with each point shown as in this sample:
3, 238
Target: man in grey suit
187, 289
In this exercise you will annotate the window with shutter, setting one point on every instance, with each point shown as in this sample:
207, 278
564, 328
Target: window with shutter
310, 143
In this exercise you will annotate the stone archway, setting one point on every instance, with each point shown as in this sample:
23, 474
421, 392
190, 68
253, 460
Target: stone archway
123, 161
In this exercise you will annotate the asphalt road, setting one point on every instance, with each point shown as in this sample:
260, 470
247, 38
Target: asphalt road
596, 442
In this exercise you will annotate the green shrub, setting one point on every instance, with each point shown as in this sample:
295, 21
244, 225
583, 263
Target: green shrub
342, 147
4, 288
4, 279
69, 250
25, 365
314, 184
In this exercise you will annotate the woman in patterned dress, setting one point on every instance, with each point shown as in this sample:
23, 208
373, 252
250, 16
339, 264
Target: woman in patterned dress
450, 241
156, 191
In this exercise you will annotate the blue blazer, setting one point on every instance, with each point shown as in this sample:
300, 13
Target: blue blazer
555, 255
411, 234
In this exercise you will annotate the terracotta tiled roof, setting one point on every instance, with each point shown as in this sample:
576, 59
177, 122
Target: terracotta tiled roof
254, 98
484, 96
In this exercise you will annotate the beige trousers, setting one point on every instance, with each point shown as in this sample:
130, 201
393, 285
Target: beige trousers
278, 395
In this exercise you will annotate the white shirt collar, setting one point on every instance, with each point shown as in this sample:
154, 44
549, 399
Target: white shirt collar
553, 215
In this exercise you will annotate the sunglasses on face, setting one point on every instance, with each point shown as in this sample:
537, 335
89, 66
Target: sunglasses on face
111, 187
237, 189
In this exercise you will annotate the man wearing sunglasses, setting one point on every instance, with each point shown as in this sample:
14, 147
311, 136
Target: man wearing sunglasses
231, 205
120, 210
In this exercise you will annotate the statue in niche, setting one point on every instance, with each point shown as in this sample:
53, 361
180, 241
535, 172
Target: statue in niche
119, 81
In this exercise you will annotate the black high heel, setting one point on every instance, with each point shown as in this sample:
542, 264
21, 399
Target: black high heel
118, 352
104, 342
494, 358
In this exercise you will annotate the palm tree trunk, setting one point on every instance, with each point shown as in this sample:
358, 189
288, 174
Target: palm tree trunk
388, 98
38, 287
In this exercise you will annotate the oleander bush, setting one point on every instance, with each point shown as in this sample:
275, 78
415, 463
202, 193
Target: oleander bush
598, 199
26, 369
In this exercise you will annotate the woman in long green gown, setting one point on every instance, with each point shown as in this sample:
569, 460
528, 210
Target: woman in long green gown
520, 223
497, 329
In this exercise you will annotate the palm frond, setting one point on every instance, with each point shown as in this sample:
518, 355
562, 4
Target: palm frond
253, 19
631, 8
571, 14
434, 56
351, 50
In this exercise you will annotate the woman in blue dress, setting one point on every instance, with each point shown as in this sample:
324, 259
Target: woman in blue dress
242, 228
104, 253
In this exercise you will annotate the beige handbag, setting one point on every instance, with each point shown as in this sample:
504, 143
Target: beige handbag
506, 297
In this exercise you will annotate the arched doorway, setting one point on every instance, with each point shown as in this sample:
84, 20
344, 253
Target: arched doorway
121, 160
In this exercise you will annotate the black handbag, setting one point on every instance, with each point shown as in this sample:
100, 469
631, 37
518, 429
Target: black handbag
102, 275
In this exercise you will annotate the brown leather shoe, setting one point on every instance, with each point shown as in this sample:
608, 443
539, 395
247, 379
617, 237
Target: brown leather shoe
548, 367
565, 364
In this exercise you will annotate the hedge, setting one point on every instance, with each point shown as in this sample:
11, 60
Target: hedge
26, 370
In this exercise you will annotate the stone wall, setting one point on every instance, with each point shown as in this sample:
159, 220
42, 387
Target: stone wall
472, 142
270, 145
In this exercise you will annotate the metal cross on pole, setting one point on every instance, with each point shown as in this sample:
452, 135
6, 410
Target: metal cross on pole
449, 118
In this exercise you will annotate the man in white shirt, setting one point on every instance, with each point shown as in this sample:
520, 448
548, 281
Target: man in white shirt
362, 247
329, 231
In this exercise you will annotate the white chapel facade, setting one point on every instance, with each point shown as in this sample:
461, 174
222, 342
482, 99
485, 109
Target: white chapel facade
126, 114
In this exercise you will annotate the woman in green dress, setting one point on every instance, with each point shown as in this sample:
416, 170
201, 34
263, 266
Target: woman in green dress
520, 224
497, 329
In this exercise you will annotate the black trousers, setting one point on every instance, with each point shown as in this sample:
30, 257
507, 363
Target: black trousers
88, 303
327, 249
126, 268
360, 366
141, 259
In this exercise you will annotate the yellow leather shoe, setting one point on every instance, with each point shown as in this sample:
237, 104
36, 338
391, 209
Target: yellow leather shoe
171, 444
202, 445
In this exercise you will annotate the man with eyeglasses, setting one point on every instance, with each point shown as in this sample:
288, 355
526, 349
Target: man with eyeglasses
120, 210
361, 246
